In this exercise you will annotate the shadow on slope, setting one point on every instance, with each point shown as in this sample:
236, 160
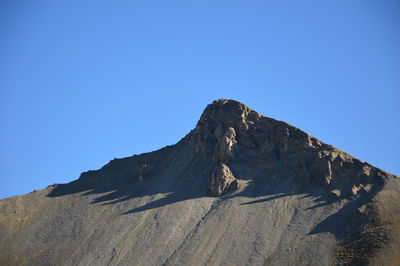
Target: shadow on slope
168, 172
176, 173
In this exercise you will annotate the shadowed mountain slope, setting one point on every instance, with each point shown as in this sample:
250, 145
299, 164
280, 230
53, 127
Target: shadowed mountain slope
239, 189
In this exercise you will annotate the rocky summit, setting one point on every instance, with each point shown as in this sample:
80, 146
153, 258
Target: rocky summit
239, 189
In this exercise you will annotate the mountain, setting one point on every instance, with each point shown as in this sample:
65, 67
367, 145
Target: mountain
239, 189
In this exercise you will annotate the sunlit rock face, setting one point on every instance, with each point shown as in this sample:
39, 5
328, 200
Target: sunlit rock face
239, 189
230, 132
222, 180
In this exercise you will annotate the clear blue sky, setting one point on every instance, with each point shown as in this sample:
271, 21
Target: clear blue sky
82, 82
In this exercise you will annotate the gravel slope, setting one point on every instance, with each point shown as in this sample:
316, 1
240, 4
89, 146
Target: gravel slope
296, 201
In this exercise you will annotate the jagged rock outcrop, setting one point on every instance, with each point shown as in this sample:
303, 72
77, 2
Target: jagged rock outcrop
224, 147
239, 189
222, 181
229, 132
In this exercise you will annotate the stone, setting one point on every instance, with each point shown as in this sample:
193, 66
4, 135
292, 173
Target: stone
335, 193
224, 149
355, 189
328, 173
222, 181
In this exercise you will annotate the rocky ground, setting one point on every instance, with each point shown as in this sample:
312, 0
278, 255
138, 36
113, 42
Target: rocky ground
239, 189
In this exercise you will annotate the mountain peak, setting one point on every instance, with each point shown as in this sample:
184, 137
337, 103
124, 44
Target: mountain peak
289, 198
232, 134
234, 120
226, 111
225, 105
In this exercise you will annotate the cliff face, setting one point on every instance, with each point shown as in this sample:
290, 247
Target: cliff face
239, 189
232, 134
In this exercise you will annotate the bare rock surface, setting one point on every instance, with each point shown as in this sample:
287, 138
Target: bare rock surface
239, 189
222, 181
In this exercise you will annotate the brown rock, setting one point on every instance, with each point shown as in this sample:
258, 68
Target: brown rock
222, 181
224, 151
335, 193
355, 189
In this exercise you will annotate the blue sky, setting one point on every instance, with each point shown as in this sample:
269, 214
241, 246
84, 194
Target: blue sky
82, 82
